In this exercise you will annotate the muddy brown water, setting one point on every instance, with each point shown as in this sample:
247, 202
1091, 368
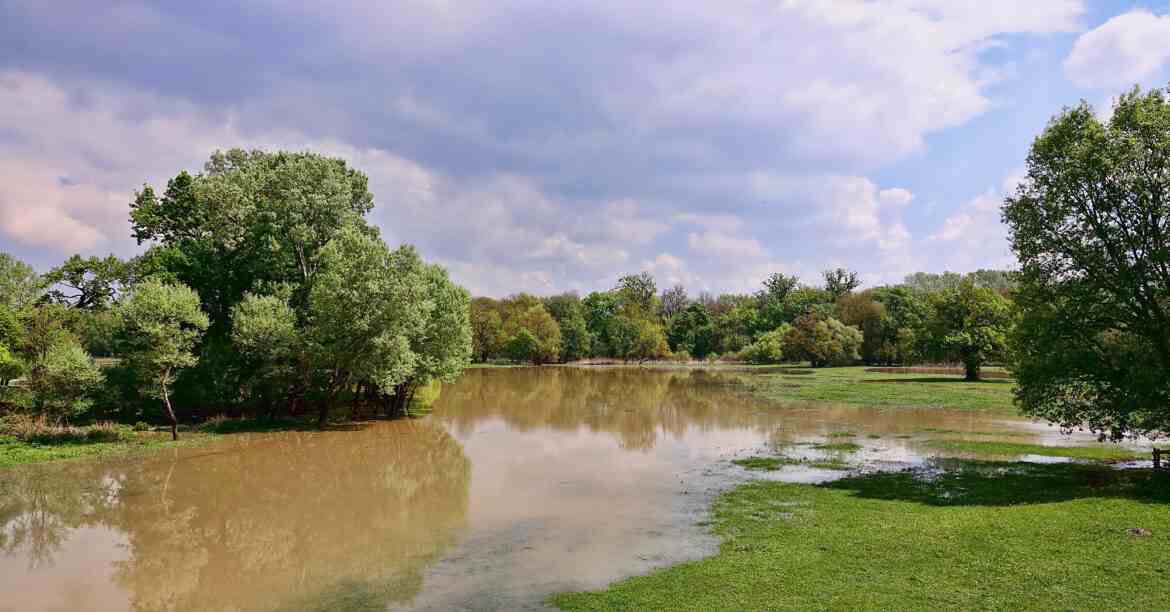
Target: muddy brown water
521, 483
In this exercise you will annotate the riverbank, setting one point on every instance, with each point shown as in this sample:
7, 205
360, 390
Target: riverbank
955, 535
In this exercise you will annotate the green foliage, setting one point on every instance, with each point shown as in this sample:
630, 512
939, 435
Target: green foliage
576, 341
768, 348
823, 341
540, 341
161, 325
90, 283
1088, 225
63, 381
487, 328
20, 287
647, 341
971, 323
638, 292
692, 331
11, 367
840, 282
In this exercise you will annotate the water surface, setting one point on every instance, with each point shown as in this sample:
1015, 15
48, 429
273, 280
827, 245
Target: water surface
522, 482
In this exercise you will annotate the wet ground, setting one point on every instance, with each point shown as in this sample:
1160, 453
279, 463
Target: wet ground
521, 483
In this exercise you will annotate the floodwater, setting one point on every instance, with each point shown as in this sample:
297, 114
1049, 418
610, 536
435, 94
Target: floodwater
522, 482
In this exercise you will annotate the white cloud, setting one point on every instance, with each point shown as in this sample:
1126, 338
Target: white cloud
1121, 52
717, 244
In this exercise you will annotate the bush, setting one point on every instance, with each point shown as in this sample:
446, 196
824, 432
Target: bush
39, 430
141, 426
769, 348
63, 382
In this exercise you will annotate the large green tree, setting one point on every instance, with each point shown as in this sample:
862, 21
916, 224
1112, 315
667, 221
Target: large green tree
1089, 225
971, 324
88, 283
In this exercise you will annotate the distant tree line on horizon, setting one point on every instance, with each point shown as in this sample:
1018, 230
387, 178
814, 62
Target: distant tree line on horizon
948, 317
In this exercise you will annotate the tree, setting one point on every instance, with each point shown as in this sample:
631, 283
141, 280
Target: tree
823, 340
638, 291
772, 299
971, 323
768, 348
20, 287
366, 305
486, 329
691, 331
839, 282
443, 344
860, 310
11, 367
1089, 225
525, 313
672, 302
90, 283
266, 335
63, 380
601, 309
647, 341
576, 341
161, 326
251, 222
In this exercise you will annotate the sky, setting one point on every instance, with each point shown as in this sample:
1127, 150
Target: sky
543, 147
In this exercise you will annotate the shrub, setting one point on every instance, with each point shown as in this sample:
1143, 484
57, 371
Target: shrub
769, 348
62, 382
141, 426
39, 430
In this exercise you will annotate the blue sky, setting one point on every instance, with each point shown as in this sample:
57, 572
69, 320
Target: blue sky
548, 146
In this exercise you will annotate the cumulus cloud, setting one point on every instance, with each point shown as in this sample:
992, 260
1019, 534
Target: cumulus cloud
974, 236
1125, 50
526, 146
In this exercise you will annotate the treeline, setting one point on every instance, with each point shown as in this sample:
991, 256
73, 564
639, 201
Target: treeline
945, 317
264, 291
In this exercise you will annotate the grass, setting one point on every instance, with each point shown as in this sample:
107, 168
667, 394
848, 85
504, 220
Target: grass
840, 447
1100, 452
19, 450
14, 451
771, 464
854, 385
959, 432
980, 535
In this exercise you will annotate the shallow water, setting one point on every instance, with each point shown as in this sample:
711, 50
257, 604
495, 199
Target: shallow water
522, 482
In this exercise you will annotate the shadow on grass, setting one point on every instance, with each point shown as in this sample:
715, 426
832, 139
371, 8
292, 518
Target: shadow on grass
939, 379
951, 482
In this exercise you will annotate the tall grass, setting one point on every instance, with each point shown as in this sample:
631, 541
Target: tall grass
39, 430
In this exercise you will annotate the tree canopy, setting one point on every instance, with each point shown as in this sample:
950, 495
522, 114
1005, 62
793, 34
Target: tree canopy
1089, 226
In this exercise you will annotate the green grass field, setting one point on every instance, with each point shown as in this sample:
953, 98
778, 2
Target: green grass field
854, 385
978, 536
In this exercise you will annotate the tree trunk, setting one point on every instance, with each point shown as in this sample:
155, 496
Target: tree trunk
972, 370
166, 397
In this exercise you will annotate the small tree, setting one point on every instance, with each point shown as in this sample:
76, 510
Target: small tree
63, 380
161, 324
841, 282
971, 323
823, 341
768, 348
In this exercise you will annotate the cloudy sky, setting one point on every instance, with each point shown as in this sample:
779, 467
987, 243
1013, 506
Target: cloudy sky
544, 146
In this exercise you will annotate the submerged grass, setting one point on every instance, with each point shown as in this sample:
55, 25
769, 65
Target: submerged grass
1101, 452
771, 464
854, 385
14, 451
980, 535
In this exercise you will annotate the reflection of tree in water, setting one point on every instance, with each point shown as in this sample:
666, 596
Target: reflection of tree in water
39, 507
303, 520
634, 405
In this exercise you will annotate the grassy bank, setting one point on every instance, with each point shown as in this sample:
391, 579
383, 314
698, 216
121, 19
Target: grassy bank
62, 446
980, 535
14, 451
854, 385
